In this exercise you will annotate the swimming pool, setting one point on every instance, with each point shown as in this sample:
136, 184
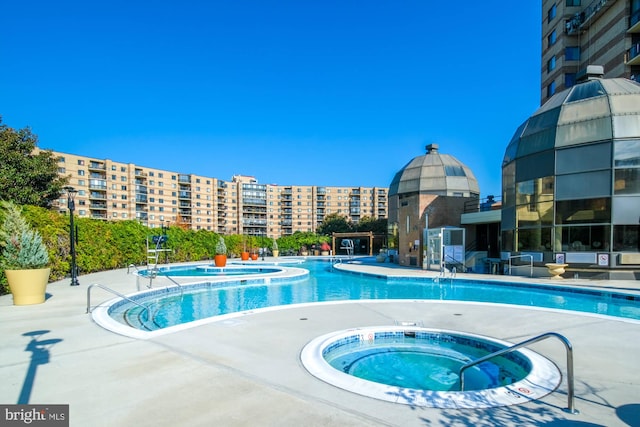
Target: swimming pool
420, 367
203, 300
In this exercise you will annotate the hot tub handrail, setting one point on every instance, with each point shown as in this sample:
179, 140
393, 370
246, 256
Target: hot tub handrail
144, 307
570, 392
522, 256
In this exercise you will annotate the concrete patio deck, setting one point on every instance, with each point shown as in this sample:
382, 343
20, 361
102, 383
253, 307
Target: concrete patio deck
246, 371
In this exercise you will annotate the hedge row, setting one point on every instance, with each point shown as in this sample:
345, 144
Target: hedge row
106, 245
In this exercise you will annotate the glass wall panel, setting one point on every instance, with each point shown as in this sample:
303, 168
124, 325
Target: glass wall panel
626, 209
589, 184
509, 184
588, 238
534, 190
534, 214
507, 240
589, 131
583, 211
534, 239
626, 126
508, 218
512, 148
627, 181
537, 142
626, 238
581, 111
626, 153
535, 166
583, 158
589, 89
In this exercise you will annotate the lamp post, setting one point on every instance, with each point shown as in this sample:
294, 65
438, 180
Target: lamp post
71, 194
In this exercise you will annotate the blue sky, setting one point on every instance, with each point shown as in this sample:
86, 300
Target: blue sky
336, 93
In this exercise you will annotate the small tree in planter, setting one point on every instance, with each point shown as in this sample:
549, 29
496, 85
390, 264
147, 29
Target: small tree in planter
220, 259
24, 258
274, 248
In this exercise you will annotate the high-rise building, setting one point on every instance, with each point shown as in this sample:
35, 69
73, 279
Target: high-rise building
579, 33
112, 190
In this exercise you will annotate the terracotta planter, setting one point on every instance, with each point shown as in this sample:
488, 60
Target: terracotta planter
220, 260
244, 256
254, 256
28, 286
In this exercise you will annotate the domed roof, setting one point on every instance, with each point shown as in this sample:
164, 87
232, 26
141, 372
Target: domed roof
596, 110
435, 173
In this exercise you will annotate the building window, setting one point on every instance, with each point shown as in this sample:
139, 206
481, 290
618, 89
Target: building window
551, 13
551, 64
81, 172
552, 38
569, 79
81, 162
572, 53
551, 89
573, 3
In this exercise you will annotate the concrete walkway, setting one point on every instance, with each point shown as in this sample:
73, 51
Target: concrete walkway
246, 371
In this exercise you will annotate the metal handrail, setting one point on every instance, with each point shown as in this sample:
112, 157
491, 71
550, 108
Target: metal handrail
115, 293
522, 256
177, 284
567, 344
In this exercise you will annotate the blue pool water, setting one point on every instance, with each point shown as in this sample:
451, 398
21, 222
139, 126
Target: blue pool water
325, 284
425, 361
209, 271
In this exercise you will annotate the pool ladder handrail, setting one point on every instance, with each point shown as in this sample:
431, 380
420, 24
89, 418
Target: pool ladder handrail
144, 307
522, 256
570, 388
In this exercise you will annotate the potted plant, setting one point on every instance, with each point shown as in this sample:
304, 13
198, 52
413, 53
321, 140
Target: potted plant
304, 251
254, 254
325, 248
24, 258
244, 255
220, 258
274, 248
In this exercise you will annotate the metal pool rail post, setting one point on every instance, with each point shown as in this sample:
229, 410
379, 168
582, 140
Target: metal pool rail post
570, 389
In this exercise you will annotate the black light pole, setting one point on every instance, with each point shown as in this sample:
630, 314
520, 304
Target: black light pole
71, 194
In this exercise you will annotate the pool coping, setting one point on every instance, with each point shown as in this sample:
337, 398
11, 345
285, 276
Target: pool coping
543, 379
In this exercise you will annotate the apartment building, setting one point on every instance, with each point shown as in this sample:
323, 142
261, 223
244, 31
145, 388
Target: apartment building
578, 33
113, 190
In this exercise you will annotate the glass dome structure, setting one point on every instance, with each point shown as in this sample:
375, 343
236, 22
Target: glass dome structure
435, 173
571, 176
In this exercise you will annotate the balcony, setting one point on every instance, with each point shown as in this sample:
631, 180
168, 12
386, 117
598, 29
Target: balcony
97, 166
99, 206
583, 20
634, 22
96, 184
632, 56
184, 195
98, 196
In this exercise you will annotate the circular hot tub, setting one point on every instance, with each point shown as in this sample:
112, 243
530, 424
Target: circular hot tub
421, 367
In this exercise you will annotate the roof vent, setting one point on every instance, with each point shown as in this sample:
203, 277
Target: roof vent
432, 148
591, 72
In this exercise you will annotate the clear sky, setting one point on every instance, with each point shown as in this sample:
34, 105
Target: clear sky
330, 92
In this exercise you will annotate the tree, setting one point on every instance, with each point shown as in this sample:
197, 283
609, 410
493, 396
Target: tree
27, 178
377, 226
334, 223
